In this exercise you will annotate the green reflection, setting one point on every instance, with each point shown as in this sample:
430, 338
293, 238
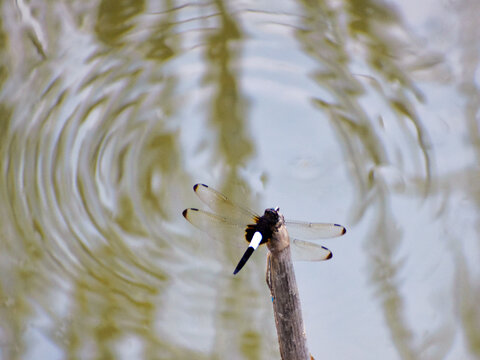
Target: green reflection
251, 344
163, 44
228, 106
116, 19
324, 38
93, 175
233, 146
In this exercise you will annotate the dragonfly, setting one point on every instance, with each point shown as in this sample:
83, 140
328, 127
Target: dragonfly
230, 219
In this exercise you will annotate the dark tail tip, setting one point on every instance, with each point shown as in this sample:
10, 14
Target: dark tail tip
244, 259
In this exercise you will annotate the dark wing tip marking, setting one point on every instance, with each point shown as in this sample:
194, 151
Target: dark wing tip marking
344, 230
185, 212
195, 187
330, 255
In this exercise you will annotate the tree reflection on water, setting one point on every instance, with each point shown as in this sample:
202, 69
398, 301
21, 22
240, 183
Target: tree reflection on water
110, 111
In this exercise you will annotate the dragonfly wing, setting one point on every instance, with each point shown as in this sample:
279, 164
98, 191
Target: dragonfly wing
220, 204
307, 251
216, 226
312, 231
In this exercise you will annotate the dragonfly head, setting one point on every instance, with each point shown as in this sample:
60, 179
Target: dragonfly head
272, 215
279, 239
273, 218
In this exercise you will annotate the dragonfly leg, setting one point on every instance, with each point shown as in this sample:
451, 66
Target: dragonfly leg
268, 274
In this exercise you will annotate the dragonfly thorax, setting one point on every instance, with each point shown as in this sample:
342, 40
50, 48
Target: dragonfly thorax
266, 225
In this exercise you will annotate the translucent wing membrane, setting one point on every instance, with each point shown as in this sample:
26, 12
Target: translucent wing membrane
223, 206
220, 229
307, 251
216, 226
312, 231
230, 222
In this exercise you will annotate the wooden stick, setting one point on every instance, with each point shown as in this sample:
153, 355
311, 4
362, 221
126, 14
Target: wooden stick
280, 276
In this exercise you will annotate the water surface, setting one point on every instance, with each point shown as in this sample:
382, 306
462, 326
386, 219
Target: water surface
357, 112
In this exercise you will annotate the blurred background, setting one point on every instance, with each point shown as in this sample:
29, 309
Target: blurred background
363, 113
